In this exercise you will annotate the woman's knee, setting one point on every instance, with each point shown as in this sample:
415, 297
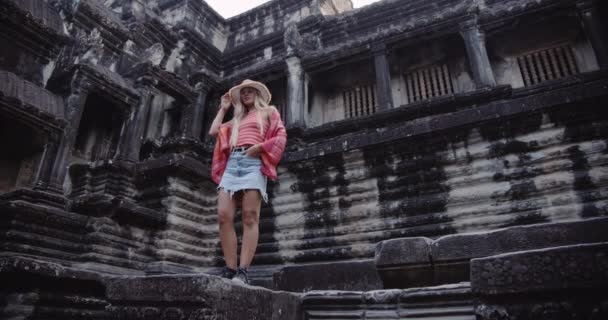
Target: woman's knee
250, 217
225, 217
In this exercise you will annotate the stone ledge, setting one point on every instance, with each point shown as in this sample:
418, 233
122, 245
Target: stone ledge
453, 301
419, 109
40, 197
582, 266
173, 163
198, 295
119, 209
33, 289
90, 295
584, 86
44, 268
348, 275
411, 262
42, 13
36, 101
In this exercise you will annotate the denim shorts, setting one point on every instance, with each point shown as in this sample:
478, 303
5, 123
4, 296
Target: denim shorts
243, 172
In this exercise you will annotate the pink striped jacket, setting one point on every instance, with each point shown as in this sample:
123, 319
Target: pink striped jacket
272, 148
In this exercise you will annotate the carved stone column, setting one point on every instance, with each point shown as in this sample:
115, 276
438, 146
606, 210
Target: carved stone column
74, 108
383, 78
595, 30
296, 93
130, 142
43, 176
296, 78
474, 39
192, 120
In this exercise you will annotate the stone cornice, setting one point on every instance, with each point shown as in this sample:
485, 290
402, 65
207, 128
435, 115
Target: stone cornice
41, 12
370, 24
164, 81
102, 80
187, 166
34, 25
33, 104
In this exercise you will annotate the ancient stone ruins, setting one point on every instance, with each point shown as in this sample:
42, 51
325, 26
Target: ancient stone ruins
446, 159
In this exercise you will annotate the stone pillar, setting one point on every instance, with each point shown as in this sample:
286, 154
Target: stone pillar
43, 176
192, 119
296, 93
296, 78
74, 109
474, 39
130, 142
383, 78
595, 30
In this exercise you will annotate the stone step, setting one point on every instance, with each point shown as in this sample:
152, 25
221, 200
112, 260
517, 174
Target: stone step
356, 275
421, 261
34, 289
447, 302
565, 282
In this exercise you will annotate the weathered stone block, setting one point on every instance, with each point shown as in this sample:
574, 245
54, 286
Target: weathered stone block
33, 289
582, 266
404, 262
198, 297
408, 262
566, 282
451, 254
348, 275
441, 302
403, 251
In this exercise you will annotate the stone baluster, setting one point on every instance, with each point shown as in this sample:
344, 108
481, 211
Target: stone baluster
474, 39
595, 30
383, 77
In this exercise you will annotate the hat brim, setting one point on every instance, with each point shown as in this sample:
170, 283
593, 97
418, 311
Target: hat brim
262, 89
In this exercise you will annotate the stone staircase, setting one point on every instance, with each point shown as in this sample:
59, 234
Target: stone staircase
545, 271
447, 302
461, 277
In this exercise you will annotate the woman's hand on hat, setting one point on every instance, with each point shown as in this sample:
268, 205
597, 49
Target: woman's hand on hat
254, 151
226, 102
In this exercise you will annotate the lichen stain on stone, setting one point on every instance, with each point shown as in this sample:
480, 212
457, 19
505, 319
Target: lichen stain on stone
411, 185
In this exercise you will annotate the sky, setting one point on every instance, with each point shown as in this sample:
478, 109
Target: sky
229, 8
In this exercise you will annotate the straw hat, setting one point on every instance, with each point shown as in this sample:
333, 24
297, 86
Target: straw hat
235, 92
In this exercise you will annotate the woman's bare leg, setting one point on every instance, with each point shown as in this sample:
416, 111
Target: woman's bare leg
226, 208
252, 201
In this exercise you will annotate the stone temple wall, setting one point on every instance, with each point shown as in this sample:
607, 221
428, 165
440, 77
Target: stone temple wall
414, 126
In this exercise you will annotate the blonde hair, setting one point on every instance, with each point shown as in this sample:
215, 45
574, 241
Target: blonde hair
259, 105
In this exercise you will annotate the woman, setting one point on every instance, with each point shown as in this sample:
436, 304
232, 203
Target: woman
247, 151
